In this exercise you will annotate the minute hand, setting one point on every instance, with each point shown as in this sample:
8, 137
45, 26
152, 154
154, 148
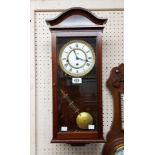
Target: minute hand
75, 55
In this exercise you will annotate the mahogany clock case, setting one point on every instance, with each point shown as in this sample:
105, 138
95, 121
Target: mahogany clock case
87, 96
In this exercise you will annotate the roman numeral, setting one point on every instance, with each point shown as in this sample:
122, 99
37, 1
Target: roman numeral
66, 65
64, 58
87, 64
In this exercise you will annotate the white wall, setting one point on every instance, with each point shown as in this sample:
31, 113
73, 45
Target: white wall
89, 4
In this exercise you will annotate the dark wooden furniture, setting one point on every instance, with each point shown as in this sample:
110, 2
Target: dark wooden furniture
115, 137
76, 24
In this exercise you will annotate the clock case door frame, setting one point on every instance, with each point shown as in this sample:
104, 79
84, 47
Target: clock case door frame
75, 137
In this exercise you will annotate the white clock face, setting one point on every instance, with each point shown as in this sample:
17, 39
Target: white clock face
77, 58
120, 151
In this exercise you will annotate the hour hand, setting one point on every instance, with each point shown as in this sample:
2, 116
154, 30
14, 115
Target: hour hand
84, 60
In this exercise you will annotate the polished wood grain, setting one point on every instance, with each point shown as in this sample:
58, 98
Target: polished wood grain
84, 99
88, 103
76, 11
115, 137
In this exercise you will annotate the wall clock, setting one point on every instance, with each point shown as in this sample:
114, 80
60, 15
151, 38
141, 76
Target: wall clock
77, 77
115, 137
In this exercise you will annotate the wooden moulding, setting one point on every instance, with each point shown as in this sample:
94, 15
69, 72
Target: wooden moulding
75, 11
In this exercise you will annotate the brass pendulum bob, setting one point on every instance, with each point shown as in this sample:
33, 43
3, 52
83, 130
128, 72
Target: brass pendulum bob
83, 119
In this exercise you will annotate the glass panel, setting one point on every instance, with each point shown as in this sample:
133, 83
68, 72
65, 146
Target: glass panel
77, 94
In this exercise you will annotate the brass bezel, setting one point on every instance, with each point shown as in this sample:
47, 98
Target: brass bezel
91, 49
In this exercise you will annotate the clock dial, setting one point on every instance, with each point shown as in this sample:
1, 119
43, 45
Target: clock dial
119, 151
77, 58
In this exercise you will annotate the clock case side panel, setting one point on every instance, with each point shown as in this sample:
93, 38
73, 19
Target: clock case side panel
69, 138
54, 86
99, 82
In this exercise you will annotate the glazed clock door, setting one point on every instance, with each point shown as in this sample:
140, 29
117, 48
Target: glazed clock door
77, 87
77, 76
77, 84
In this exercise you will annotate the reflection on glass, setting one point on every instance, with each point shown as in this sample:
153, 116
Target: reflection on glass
77, 100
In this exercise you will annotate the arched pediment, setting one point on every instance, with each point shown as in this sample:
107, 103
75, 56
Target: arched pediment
76, 17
